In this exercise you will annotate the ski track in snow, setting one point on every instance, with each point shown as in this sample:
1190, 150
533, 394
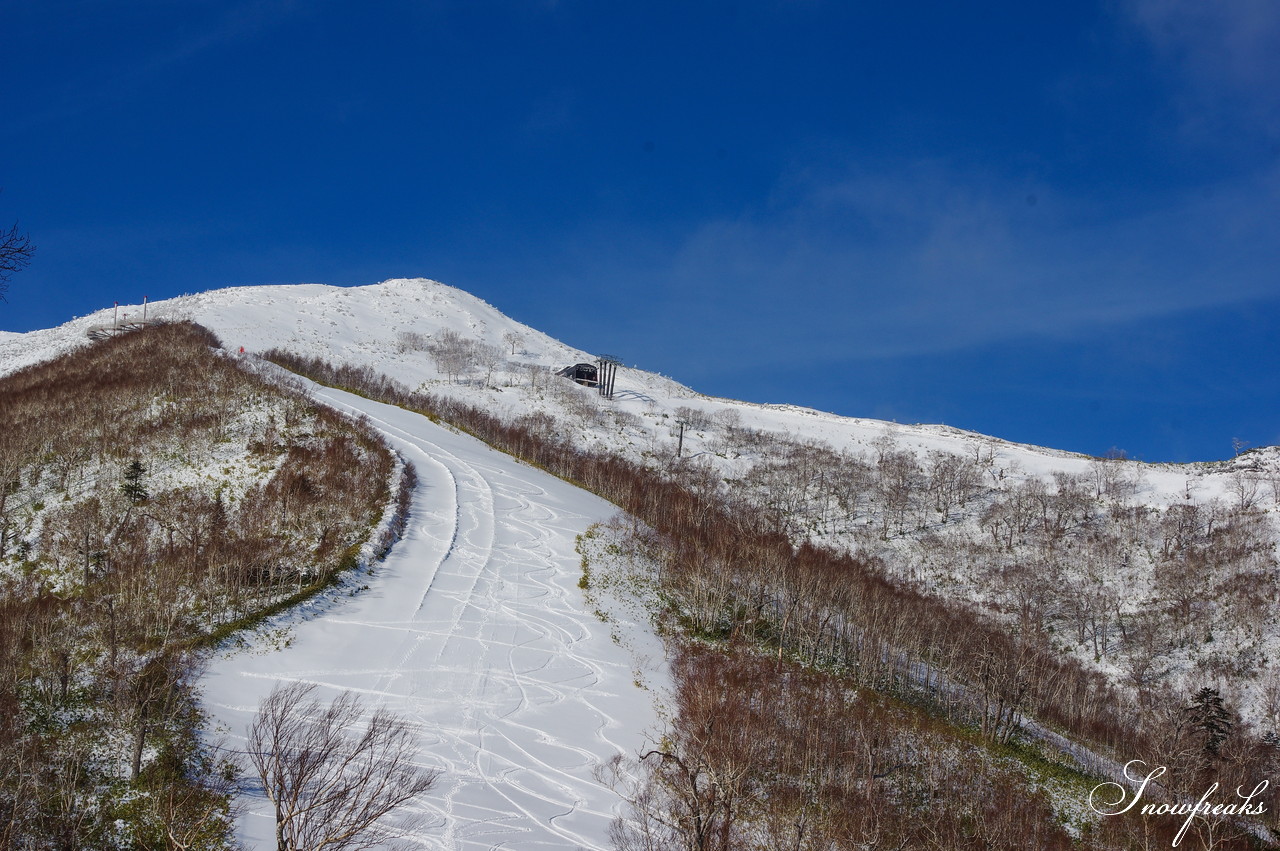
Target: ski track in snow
473, 629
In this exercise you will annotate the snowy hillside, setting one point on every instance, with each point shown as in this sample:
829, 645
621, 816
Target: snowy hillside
476, 631
958, 489
369, 325
1163, 577
387, 326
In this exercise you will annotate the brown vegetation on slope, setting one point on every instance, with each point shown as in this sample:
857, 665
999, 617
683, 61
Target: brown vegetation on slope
727, 571
153, 495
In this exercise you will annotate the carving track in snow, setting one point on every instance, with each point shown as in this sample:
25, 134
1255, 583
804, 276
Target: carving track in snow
474, 628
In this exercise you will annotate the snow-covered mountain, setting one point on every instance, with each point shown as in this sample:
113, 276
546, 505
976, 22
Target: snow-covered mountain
373, 326
474, 629
384, 326
1160, 575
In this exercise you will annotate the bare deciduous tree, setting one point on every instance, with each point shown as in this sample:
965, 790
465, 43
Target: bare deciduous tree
452, 353
411, 341
490, 358
331, 790
1244, 487
15, 253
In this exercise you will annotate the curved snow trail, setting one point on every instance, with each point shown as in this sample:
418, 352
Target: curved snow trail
475, 630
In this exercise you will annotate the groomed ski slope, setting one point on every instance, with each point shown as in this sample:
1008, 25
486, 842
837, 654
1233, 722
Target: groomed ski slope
475, 630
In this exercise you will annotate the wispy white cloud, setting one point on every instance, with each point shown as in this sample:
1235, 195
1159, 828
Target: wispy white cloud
1230, 42
1226, 52
916, 258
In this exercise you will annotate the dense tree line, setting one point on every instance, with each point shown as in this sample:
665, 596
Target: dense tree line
1170, 596
764, 755
154, 496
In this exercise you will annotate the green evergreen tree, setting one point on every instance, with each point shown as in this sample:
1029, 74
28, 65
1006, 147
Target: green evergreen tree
132, 487
1209, 718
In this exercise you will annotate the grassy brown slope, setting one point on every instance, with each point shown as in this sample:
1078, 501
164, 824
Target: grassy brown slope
154, 495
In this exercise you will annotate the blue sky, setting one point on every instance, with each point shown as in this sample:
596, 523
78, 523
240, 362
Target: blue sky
1054, 223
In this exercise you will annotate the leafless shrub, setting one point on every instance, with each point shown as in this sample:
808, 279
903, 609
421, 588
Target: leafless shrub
330, 789
411, 341
1245, 487
451, 354
728, 418
15, 253
457, 356
695, 418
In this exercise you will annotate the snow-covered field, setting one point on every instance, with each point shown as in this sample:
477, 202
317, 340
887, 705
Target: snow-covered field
474, 629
